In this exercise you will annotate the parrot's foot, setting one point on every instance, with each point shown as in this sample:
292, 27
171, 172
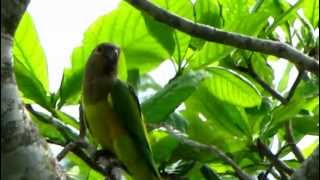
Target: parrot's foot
103, 154
108, 159
81, 143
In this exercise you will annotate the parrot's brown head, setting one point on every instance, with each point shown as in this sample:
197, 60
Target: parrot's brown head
104, 60
100, 71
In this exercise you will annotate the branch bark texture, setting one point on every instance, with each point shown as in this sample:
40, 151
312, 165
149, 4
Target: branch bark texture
212, 34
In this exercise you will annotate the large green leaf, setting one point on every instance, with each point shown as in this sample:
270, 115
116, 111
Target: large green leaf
166, 100
211, 120
232, 87
30, 64
305, 124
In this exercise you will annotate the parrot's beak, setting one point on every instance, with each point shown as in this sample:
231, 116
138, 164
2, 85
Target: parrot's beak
117, 51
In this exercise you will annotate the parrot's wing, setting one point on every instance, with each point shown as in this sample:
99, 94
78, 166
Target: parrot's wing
125, 103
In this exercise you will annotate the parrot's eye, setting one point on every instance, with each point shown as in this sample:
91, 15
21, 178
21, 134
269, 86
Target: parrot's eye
99, 49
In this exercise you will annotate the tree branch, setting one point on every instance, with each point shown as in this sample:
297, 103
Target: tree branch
212, 34
295, 85
65, 131
210, 148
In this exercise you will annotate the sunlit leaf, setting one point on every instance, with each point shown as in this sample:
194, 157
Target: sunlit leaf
166, 100
30, 63
232, 87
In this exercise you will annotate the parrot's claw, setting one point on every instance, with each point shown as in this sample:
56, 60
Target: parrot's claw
102, 154
108, 159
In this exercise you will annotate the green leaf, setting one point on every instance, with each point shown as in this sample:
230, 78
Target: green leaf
285, 16
166, 100
285, 78
66, 118
311, 11
229, 119
211, 121
209, 53
30, 64
305, 98
257, 116
233, 88
162, 145
177, 121
77, 169
290, 110
308, 150
305, 124
206, 12
262, 68
285, 112
174, 41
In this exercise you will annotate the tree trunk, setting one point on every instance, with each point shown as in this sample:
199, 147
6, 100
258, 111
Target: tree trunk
24, 154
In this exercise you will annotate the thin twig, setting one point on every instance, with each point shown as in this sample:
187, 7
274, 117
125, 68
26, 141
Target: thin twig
65, 131
70, 146
290, 140
288, 125
228, 38
82, 155
295, 85
279, 165
264, 85
277, 155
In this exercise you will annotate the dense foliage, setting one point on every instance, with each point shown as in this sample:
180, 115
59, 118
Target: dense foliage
216, 96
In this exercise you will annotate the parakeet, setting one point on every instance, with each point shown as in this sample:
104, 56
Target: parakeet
113, 116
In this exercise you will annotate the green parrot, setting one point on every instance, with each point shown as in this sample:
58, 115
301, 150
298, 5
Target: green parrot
113, 116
